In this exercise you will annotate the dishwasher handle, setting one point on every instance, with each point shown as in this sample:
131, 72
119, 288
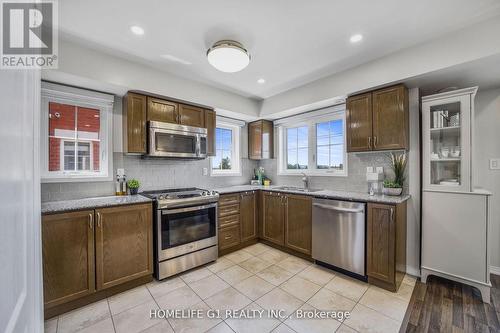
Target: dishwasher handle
339, 209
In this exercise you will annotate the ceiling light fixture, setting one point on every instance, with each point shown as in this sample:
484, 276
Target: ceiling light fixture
261, 81
356, 38
137, 30
228, 56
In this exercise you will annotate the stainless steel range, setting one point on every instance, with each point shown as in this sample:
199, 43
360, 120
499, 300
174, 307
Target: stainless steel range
185, 231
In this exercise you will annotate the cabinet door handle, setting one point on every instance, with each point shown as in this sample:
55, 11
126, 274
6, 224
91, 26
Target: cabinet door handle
392, 214
370, 142
98, 220
228, 237
91, 221
374, 142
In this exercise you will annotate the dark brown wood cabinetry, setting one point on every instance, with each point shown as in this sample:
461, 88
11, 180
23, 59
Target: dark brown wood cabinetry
89, 255
273, 226
134, 123
298, 223
378, 120
139, 108
191, 115
68, 257
210, 124
386, 245
260, 140
124, 244
248, 215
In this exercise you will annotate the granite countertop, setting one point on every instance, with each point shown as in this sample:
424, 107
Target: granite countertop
90, 203
342, 195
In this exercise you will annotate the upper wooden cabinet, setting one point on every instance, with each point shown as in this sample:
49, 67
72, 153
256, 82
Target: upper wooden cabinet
124, 244
138, 109
248, 215
378, 120
260, 140
68, 257
162, 110
359, 123
386, 245
210, 125
298, 223
191, 115
134, 123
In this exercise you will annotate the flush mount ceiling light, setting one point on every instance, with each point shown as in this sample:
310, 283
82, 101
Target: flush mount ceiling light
261, 81
356, 38
137, 30
228, 56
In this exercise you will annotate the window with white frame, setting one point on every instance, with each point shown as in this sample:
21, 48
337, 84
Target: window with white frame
313, 143
76, 134
227, 150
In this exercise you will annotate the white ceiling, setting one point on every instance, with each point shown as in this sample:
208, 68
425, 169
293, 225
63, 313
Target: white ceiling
292, 42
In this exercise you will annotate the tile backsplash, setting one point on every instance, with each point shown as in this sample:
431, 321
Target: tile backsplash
162, 173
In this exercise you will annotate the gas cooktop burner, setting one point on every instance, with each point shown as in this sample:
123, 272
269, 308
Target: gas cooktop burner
181, 197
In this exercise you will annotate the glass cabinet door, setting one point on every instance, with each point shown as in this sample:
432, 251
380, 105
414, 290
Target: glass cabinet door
446, 143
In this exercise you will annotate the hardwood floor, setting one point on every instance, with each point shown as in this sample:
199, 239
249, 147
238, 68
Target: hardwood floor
446, 306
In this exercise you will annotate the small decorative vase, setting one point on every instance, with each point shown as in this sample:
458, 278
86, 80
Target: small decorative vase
392, 191
133, 191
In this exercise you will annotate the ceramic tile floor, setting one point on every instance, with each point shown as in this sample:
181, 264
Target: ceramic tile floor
257, 277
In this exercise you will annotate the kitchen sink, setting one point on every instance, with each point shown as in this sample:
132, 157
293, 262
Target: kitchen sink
298, 189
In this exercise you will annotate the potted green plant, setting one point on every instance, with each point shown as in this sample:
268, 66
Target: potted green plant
133, 186
398, 165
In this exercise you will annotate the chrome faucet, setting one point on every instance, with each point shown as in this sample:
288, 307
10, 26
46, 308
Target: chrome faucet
305, 180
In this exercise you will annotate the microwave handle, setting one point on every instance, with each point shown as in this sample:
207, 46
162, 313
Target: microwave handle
198, 145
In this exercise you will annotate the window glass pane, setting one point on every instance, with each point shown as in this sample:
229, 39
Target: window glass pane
323, 159
223, 149
291, 138
302, 158
83, 156
69, 155
330, 145
302, 137
292, 159
88, 129
62, 119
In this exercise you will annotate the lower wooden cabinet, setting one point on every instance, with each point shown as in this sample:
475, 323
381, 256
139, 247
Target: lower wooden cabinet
85, 253
229, 237
248, 215
273, 227
123, 244
68, 256
298, 223
386, 245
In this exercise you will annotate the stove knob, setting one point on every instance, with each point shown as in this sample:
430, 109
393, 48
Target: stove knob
160, 197
204, 193
214, 193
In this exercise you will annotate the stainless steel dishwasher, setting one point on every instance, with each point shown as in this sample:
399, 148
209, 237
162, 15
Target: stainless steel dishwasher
338, 234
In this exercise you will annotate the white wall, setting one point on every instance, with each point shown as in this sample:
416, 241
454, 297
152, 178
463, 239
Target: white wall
486, 146
465, 45
88, 68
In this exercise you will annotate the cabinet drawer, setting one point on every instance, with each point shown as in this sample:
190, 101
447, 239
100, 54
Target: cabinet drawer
229, 210
228, 199
229, 237
229, 220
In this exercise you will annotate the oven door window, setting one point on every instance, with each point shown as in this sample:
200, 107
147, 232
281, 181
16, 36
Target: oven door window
175, 143
186, 227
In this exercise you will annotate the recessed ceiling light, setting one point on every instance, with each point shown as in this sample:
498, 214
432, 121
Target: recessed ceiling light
261, 81
175, 59
356, 38
137, 30
228, 56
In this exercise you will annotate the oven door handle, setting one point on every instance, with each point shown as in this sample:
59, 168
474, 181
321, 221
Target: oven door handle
186, 209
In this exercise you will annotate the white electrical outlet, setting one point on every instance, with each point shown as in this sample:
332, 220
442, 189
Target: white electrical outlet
369, 169
380, 169
120, 172
205, 171
495, 164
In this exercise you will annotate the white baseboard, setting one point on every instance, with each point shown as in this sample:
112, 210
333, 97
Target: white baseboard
495, 270
413, 271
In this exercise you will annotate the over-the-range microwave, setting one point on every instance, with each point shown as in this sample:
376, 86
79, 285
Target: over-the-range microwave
176, 141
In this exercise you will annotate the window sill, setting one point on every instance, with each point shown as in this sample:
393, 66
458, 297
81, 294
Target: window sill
226, 174
313, 174
76, 179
